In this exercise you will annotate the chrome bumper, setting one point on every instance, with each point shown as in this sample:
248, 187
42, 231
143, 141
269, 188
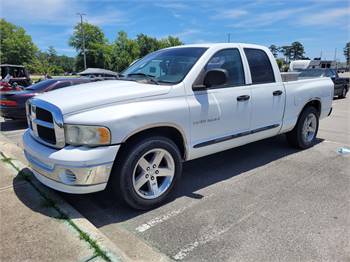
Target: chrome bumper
74, 170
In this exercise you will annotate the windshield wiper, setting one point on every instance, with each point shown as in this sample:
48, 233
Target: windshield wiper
148, 77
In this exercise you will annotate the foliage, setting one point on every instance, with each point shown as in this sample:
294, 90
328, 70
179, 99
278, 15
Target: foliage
50, 63
347, 53
124, 52
294, 51
16, 46
97, 49
297, 51
147, 44
274, 50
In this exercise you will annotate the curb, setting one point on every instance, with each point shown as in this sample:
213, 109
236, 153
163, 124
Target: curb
79, 222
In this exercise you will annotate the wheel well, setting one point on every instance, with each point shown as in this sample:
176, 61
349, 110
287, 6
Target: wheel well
165, 131
314, 103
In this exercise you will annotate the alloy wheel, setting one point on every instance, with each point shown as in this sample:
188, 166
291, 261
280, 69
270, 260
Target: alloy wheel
153, 173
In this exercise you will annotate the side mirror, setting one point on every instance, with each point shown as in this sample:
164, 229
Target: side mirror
213, 77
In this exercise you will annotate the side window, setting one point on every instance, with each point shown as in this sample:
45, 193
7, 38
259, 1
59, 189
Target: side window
260, 66
60, 85
230, 60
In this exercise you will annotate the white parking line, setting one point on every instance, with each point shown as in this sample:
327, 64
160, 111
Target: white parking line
207, 237
167, 216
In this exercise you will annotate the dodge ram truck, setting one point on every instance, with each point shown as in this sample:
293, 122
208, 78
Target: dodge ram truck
176, 104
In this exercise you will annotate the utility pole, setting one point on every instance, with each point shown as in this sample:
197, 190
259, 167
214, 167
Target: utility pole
228, 37
82, 32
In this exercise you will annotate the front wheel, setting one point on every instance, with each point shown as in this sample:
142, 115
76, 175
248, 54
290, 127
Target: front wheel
147, 173
304, 133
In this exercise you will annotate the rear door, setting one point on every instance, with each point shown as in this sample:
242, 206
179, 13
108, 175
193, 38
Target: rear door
268, 95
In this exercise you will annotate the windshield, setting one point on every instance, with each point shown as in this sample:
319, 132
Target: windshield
312, 73
41, 85
165, 66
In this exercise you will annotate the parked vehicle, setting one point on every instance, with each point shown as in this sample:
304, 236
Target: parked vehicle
298, 65
12, 104
341, 84
173, 105
99, 73
16, 74
6, 87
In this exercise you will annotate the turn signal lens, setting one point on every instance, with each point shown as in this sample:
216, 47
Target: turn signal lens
105, 136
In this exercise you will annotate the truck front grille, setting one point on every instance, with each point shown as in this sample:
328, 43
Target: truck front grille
47, 134
44, 115
45, 122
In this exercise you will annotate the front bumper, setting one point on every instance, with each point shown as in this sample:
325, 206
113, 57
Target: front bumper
76, 170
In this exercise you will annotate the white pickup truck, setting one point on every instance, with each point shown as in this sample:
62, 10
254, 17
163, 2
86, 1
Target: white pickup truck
173, 105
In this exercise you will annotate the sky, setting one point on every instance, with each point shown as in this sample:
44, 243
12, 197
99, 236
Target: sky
320, 25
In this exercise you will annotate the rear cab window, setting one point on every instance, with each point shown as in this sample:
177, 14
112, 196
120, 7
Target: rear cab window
260, 66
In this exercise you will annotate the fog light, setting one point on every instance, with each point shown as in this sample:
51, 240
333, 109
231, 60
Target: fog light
68, 177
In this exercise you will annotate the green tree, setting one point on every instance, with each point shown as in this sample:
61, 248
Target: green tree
169, 42
50, 63
52, 55
96, 46
16, 46
67, 63
347, 53
287, 52
274, 50
147, 44
297, 51
124, 52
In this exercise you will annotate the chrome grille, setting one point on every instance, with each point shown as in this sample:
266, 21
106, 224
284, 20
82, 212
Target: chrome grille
45, 122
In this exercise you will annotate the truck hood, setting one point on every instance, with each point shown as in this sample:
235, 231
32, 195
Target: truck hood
90, 95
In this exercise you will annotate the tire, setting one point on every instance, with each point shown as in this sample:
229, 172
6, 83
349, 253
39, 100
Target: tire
136, 181
344, 91
297, 137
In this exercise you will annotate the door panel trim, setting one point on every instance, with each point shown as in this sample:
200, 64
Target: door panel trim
225, 138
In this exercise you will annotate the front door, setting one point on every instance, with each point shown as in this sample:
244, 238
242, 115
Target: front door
220, 112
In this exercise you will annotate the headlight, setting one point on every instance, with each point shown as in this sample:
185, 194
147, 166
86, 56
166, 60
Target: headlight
87, 135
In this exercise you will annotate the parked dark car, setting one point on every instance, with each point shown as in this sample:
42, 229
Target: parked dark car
12, 104
341, 84
6, 87
16, 73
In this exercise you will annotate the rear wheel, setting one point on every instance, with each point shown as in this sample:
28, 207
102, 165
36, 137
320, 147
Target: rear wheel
343, 93
304, 133
147, 173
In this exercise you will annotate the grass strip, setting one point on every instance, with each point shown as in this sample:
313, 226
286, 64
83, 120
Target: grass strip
62, 215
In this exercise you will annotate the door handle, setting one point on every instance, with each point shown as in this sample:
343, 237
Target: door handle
277, 92
243, 98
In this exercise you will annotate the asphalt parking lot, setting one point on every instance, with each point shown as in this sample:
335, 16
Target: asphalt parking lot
261, 202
